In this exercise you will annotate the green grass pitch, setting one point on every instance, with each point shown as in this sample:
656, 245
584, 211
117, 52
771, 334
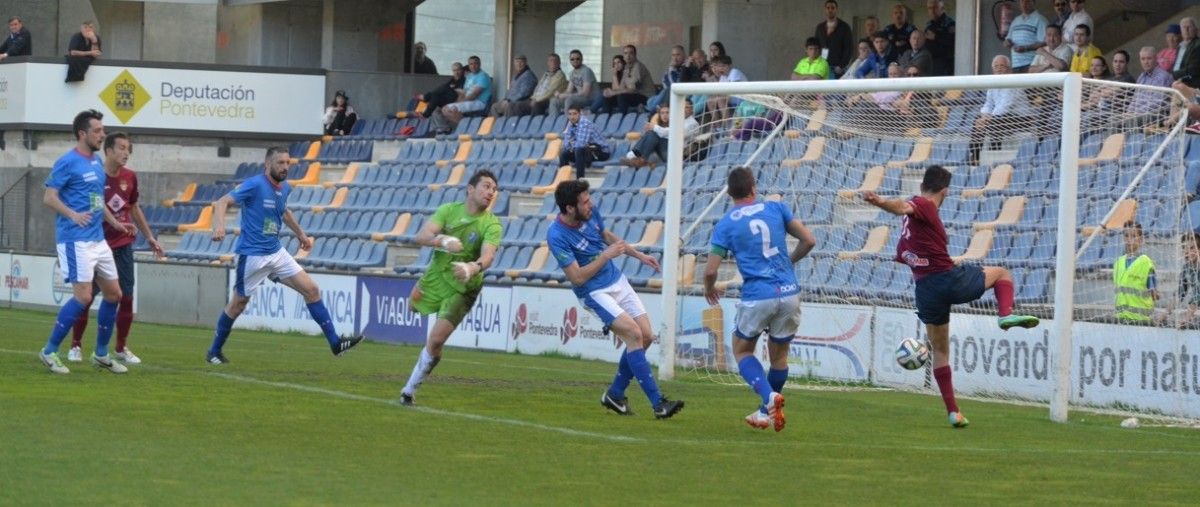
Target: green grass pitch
288, 424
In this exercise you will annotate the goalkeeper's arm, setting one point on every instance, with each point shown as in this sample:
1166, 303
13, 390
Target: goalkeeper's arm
430, 235
464, 271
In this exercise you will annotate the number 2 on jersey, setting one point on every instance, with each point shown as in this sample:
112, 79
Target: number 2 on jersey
759, 228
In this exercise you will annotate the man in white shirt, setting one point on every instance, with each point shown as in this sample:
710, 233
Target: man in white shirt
1054, 56
655, 135
1078, 17
1004, 111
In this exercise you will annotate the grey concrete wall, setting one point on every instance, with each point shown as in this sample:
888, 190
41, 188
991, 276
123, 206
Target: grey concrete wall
186, 294
180, 33
120, 25
686, 13
378, 94
71, 13
240, 34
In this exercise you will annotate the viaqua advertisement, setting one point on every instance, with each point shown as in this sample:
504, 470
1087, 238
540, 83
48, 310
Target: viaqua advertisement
386, 314
553, 321
487, 325
276, 307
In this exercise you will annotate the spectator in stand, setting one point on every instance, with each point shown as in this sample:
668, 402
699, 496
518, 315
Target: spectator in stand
717, 107
1120, 67
19, 42
520, 88
897, 35
1099, 69
582, 143
1187, 61
870, 26
678, 71
1078, 17
447, 93
1097, 104
607, 101
473, 98
1166, 56
1134, 280
638, 85
552, 82
878, 111
812, 66
654, 138
1054, 56
864, 53
1062, 12
920, 56
83, 49
1004, 111
1081, 60
698, 64
1189, 281
582, 87
939, 34
339, 116
877, 62
1026, 35
716, 49
836, 37
1147, 104
421, 63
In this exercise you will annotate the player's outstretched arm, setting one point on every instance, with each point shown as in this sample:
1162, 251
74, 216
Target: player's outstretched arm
580, 275
711, 293
798, 230
52, 200
646, 259
893, 206
431, 235
218, 216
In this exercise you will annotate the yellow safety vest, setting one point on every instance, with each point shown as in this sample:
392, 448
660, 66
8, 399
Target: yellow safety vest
1134, 301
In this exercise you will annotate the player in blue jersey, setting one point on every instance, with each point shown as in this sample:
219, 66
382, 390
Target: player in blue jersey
260, 256
75, 191
755, 234
585, 251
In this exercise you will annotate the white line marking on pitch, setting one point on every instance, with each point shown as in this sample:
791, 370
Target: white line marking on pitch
358, 397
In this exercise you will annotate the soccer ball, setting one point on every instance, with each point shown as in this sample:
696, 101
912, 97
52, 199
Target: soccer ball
912, 354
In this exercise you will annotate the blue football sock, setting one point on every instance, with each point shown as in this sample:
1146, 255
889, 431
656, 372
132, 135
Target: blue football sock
777, 378
644, 375
624, 376
66, 319
105, 318
224, 326
752, 372
320, 315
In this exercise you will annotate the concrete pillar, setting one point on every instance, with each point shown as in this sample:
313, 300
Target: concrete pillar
966, 19
180, 33
120, 26
327, 34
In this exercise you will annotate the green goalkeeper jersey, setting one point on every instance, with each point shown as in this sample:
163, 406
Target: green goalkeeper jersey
473, 232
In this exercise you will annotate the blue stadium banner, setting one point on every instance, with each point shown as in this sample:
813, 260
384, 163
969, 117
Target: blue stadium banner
385, 312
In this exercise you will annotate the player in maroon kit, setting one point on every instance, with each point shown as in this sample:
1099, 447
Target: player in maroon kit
121, 197
939, 282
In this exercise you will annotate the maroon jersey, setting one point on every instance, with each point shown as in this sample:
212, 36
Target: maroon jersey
120, 194
923, 240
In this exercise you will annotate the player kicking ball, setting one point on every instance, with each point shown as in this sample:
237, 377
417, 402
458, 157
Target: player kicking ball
75, 191
260, 255
465, 236
585, 251
939, 282
755, 234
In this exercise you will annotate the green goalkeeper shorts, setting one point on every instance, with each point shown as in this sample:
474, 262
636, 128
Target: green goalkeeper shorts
436, 296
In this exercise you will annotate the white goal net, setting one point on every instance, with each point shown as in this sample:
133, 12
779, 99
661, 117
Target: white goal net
1038, 162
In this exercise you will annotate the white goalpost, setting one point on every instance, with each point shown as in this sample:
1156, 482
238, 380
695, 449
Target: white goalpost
1046, 195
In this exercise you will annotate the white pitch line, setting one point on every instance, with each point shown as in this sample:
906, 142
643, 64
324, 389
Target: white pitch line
384, 401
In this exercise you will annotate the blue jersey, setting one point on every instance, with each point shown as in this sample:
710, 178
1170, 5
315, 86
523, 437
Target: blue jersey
756, 236
582, 245
263, 205
79, 180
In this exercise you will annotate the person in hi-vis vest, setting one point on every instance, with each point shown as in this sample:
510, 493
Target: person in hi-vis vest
1134, 280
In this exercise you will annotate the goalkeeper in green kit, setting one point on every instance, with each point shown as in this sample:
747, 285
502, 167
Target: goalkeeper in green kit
465, 236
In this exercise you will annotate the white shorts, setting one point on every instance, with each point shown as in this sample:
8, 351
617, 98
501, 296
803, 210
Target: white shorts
79, 260
467, 106
252, 270
778, 317
612, 301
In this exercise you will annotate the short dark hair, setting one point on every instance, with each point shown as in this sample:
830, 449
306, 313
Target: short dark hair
476, 58
576, 52
630, 46
15, 18
1131, 225
740, 182
879, 35
574, 107
722, 59
1087, 30
936, 178
1054, 26
111, 140
812, 41
567, 193
834, 2
83, 120
481, 174
274, 150
1122, 52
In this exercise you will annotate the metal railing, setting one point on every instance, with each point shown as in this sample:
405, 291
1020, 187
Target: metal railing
14, 214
